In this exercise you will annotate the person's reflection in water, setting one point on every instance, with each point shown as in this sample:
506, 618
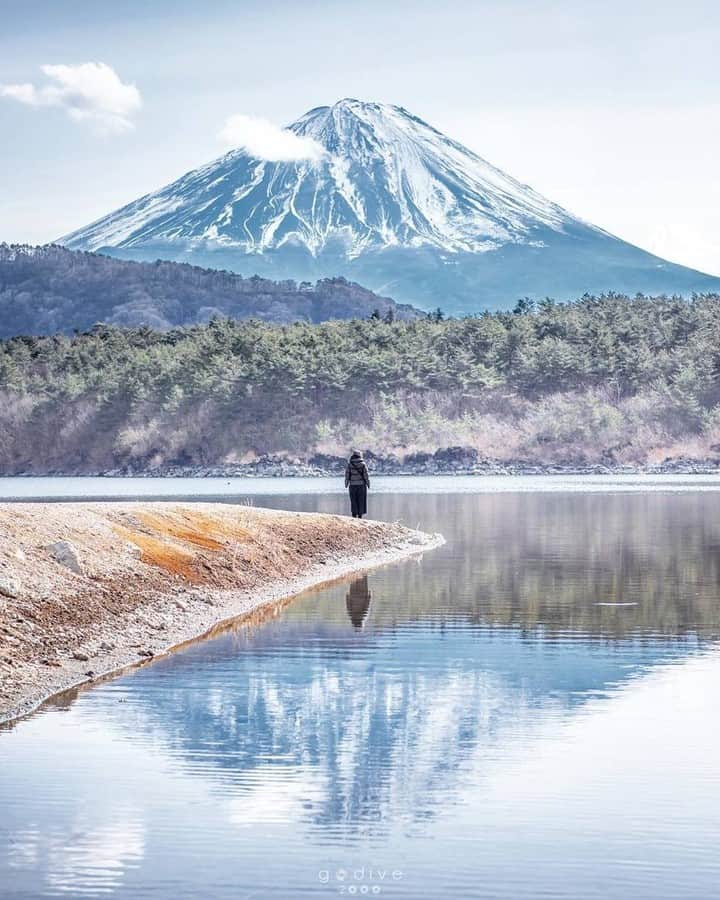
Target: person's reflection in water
357, 601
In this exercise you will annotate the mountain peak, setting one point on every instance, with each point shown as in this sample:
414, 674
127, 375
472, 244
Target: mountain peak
391, 201
332, 125
353, 106
387, 179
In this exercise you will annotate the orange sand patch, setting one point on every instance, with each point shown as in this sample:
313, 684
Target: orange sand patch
157, 552
170, 538
194, 527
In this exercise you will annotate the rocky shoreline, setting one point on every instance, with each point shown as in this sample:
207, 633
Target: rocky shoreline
89, 589
448, 461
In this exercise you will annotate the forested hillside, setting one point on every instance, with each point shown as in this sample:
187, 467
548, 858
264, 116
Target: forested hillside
607, 379
47, 290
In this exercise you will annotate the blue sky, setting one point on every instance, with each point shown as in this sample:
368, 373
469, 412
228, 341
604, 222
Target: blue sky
611, 109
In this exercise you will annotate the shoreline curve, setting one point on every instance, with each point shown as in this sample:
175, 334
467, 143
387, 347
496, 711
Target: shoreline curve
173, 606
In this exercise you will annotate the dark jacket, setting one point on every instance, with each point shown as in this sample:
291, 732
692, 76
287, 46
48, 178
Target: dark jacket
356, 472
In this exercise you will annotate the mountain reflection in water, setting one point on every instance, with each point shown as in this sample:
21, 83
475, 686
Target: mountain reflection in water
479, 719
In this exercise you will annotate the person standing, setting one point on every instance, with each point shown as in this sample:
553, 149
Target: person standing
357, 480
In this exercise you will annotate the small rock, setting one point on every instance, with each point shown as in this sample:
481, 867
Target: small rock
133, 550
90, 674
67, 555
20, 555
52, 662
9, 586
146, 653
107, 647
83, 657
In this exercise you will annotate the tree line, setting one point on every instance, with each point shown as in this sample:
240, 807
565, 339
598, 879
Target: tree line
603, 377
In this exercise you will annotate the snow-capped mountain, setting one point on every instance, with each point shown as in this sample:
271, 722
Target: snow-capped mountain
391, 202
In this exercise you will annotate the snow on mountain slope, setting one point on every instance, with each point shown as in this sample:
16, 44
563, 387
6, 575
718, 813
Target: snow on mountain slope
386, 179
392, 202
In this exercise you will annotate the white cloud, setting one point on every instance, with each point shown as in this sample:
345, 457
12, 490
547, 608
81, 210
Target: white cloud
267, 141
89, 92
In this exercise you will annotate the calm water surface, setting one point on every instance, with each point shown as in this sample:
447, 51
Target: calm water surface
529, 711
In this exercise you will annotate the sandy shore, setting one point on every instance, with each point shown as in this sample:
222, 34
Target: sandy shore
90, 588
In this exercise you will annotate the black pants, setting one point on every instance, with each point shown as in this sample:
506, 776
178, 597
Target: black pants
358, 500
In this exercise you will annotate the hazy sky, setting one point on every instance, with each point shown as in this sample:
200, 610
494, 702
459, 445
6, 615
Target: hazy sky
609, 108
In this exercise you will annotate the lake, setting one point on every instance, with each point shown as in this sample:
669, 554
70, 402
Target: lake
529, 711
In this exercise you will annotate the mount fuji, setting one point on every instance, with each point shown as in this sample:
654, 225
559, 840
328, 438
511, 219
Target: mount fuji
387, 200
